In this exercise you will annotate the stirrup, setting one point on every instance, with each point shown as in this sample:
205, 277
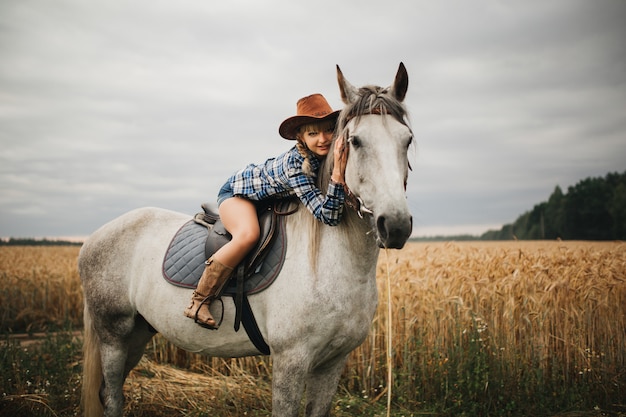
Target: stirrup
210, 299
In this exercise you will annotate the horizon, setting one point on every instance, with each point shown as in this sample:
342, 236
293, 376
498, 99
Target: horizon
111, 106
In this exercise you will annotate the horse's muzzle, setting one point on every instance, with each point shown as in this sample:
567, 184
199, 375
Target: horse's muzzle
394, 231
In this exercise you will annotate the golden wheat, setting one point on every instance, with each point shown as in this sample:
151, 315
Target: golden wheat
559, 307
40, 287
529, 303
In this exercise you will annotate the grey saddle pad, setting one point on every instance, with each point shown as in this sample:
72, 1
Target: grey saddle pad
184, 260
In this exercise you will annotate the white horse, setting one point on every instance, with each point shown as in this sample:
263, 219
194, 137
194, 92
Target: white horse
317, 311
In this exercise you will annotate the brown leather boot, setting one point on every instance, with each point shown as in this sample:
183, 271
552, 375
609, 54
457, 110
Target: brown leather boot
210, 286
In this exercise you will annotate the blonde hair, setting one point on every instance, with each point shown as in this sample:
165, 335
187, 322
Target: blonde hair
301, 145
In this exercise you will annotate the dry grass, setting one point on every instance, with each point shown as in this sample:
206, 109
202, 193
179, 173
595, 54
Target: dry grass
157, 389
471, 320
40, 288
562, 300
544, 313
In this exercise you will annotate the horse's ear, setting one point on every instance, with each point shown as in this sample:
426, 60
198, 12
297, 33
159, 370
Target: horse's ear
347, 90
400, 84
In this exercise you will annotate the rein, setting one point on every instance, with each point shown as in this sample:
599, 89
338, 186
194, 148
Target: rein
355, 203
352, 200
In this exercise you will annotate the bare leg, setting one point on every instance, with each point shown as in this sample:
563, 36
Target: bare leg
240, 219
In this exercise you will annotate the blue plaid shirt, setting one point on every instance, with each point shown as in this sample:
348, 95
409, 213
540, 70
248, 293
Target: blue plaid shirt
282, 177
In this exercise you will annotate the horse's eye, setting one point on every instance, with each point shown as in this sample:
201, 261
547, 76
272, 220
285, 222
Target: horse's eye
355, 142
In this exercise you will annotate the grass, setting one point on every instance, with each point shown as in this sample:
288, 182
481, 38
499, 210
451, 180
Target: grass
479, 329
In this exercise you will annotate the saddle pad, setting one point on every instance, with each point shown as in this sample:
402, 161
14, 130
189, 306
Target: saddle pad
184, 260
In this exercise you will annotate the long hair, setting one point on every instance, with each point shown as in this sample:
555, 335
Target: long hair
304, 151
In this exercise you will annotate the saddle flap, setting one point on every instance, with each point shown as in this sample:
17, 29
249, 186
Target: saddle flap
267, 212
218, 237
267, 226
184, 259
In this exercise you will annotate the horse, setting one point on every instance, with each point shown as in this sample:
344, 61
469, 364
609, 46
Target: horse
320, 306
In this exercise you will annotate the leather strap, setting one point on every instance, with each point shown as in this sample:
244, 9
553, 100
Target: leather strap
239, 296
252, 328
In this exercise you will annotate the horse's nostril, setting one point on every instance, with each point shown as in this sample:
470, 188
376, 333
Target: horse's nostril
382, 228
393, 231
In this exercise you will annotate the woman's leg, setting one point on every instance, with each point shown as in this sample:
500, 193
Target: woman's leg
240, 218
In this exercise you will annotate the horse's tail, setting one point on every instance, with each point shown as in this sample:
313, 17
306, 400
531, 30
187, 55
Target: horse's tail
92, 370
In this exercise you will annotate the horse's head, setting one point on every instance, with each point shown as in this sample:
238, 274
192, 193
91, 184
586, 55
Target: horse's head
374, 124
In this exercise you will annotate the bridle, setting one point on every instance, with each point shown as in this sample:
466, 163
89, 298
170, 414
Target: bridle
355, 203
352, 200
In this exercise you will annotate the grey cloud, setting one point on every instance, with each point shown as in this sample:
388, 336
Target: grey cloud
108, 106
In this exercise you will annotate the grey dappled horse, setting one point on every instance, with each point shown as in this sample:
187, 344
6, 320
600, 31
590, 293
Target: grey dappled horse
317, 311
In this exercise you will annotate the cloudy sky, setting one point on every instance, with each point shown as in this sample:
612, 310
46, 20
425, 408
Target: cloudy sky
112, 105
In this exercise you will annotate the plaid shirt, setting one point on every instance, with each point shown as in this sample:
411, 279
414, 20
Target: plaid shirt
282, 177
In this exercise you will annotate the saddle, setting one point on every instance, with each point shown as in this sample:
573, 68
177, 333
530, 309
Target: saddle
202, 236
268, 214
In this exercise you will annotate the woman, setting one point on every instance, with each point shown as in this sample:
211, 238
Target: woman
291, 173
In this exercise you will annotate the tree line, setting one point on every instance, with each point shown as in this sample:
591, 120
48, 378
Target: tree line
36, 242
593, 209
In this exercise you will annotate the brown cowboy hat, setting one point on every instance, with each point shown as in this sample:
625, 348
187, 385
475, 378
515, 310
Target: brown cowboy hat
310, 109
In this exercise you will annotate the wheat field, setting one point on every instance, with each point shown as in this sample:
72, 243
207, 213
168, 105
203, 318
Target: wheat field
472, 322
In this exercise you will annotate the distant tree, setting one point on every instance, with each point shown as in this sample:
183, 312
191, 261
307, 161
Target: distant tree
554, 220
617, 210
593, 209
587, 216
36, 242
520, 225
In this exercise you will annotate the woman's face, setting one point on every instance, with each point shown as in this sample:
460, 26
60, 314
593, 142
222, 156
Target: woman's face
318, 138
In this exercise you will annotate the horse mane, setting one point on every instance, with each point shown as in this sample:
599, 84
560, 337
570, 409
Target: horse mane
370, 100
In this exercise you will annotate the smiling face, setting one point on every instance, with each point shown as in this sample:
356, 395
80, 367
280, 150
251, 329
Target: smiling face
318, 137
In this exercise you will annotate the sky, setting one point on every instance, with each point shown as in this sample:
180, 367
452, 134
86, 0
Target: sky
113, 105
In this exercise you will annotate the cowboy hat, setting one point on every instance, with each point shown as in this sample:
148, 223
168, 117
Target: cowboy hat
310, 109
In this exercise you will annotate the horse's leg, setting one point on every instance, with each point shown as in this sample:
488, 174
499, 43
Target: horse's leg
122, 345
114, 356
142, 333
321, 386
288, 373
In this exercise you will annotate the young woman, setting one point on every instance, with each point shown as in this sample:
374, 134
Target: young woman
291, 173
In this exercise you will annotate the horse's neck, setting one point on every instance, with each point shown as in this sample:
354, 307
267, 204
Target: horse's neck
351, 243
356, 236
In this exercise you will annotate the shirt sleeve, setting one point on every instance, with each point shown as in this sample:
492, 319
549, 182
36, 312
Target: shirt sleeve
327, 209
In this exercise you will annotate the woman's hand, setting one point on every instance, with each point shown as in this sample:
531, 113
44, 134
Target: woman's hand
340, 156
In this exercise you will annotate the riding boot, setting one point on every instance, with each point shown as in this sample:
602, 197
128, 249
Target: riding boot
209, 288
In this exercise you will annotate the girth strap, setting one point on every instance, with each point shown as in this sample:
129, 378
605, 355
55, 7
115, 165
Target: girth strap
268, 223
239, 295
252, 328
